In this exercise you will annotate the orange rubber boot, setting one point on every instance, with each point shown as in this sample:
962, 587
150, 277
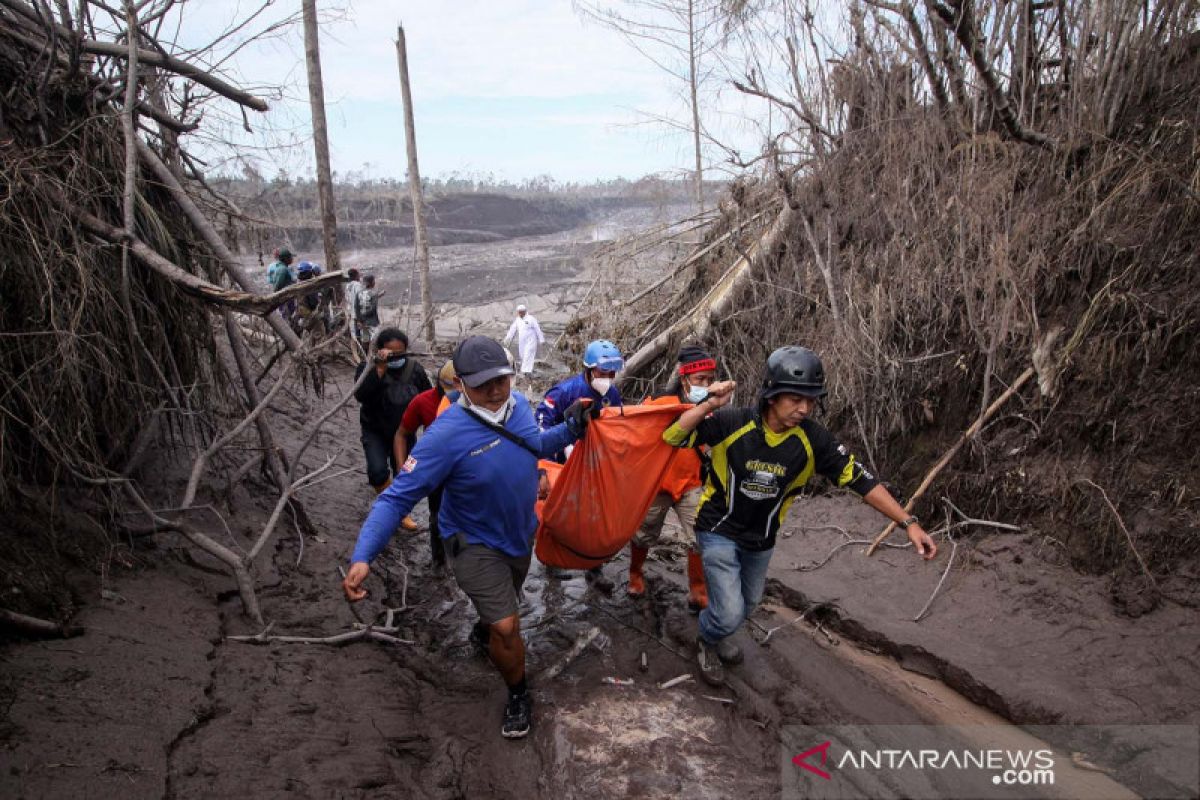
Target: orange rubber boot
409, 524
637, 557
697, 590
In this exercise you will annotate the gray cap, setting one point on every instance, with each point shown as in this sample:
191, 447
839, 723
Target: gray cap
478, 359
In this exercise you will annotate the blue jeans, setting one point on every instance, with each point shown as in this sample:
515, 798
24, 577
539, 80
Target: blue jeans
735, 577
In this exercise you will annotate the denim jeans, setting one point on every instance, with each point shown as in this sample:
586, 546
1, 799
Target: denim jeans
735, 577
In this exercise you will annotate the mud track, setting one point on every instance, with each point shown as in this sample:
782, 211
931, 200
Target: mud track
155, 702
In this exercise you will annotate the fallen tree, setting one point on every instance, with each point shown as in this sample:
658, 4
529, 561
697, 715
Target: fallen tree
125, 311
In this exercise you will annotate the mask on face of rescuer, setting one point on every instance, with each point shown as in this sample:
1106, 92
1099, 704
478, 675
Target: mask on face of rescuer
396, 363
697, 394
601, 385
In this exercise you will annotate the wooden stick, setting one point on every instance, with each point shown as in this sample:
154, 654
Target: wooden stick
953, 451
35, 626
580, 645
1124, 530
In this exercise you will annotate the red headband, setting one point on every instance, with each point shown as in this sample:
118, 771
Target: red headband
698, 366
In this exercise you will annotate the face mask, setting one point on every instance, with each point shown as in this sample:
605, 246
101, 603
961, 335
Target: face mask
697, 394
601, 385
396, 363
496, 417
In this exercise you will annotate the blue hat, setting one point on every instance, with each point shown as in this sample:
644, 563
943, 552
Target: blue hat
305, 266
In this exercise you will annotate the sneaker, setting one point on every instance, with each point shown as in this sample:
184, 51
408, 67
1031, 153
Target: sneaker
710, 663
480, 636
728, 652
518, 716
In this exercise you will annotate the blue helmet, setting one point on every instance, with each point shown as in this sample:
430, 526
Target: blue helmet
305, 266
603, 354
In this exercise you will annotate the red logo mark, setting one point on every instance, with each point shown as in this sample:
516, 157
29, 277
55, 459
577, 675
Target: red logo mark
801, 760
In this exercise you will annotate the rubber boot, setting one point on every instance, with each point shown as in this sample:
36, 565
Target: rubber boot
697, 590
409, 524
637, 557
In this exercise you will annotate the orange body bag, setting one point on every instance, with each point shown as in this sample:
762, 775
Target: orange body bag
599, 498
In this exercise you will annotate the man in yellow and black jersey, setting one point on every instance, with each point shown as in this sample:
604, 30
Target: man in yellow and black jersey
760, 458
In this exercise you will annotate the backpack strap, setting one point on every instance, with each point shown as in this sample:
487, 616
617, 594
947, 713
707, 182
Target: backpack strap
505, 432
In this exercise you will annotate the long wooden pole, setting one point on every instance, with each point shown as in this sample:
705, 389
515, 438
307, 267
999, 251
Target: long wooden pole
414, 189
316, 99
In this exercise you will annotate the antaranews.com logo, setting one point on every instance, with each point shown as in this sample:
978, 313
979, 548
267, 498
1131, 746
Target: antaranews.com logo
962, 762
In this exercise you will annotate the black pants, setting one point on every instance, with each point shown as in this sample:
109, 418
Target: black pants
381, 464
435, 534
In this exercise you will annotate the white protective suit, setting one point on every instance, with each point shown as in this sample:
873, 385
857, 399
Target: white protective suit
529, 336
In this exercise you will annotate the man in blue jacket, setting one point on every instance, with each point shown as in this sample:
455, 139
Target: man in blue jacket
601, 363
484, 451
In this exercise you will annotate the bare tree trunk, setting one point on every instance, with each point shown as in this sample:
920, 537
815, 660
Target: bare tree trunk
699, 174
316, 99
414, 190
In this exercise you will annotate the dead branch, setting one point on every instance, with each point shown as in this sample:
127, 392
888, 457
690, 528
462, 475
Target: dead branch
368, 633
293, 484
962, 22
33, 626
968, 434
212, 238
936, 589
222, 553
1124, 530
155, 58
189, 283
771, 632
581, 643
182, 68
193, 484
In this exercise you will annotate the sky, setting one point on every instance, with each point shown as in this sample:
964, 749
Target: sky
516, 88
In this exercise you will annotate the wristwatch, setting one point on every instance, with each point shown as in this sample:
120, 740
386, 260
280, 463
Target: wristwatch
907, 522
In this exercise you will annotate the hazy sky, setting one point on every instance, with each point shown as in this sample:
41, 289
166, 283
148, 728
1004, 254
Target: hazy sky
514, 87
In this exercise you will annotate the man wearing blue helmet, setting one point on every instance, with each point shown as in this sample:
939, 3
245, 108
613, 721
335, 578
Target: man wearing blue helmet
601, 363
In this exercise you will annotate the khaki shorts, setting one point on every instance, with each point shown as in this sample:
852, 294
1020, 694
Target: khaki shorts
491, 579
685, 511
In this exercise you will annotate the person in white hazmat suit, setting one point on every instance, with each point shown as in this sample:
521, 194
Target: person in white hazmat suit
528, 335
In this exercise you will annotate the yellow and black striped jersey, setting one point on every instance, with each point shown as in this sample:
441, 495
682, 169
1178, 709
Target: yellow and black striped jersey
754, 473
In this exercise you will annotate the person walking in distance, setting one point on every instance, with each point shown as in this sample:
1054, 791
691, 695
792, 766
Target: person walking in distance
366, 304
484, 450
760, 459
528, 334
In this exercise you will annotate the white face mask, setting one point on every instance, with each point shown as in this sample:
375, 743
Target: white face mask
497, 417
697, 394
601, 385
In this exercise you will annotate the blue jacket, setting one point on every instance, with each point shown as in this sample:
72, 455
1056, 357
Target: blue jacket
562, 395
490, 482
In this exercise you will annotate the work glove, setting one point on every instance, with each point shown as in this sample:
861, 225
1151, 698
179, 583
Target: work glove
579, 414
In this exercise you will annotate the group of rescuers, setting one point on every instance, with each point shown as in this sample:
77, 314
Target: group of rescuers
477, 462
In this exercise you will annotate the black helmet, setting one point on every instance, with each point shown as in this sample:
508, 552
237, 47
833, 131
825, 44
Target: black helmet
794, 370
